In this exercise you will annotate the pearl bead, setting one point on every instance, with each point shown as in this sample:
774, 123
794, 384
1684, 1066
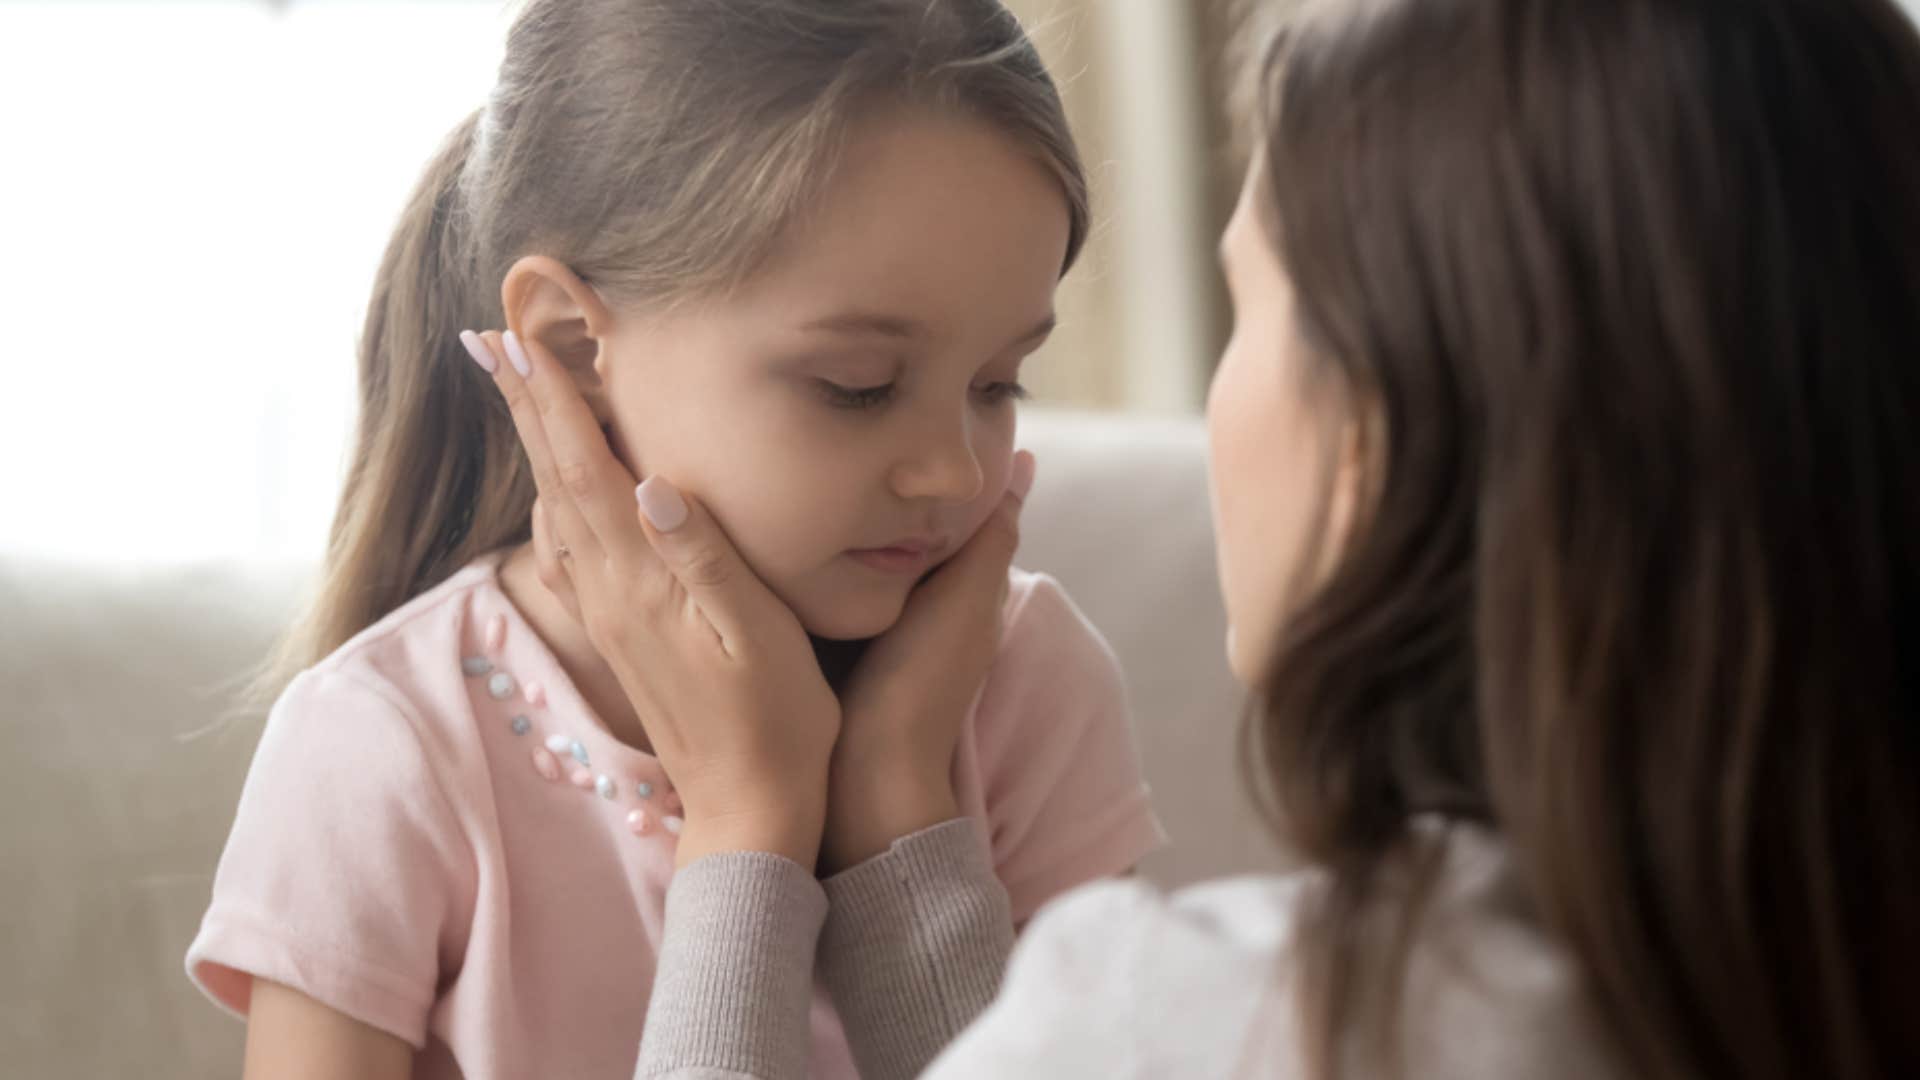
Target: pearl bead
558, 743
605, 786
500, 686
673, 824
639, 822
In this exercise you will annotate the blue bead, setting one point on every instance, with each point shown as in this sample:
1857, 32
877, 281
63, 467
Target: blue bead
476, 666
579, 752
646, 790
522, 725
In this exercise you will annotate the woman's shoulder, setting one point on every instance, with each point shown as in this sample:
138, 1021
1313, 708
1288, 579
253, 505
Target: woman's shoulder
1205, 981
1123, 979
1217, 932
1250, 914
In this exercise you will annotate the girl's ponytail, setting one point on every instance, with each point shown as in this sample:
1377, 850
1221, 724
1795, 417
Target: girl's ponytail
436, 477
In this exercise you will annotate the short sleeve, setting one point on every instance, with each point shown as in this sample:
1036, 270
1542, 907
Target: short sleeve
346, 870
1065, 800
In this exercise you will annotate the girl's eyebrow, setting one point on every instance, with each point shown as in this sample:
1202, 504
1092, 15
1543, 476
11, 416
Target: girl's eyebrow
868, 324
897, 328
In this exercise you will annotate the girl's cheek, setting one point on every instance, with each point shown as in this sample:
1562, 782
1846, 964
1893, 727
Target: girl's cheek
623, 450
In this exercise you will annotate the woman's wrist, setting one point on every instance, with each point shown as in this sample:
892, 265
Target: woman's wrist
788, 837
787, 821
872, 802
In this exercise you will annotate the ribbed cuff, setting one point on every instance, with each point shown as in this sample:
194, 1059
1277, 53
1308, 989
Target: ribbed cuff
915, 943
735, 977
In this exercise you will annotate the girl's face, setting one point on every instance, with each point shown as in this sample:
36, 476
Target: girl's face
847, 413
1269, 464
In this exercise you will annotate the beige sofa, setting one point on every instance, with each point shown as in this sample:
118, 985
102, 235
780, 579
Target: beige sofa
120, 777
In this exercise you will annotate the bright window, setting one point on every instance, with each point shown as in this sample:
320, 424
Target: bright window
193, 202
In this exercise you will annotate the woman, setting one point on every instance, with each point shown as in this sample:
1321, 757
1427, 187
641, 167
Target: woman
1565, 460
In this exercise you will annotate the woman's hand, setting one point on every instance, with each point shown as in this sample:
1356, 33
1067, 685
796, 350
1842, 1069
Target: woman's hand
718, 668
905, 704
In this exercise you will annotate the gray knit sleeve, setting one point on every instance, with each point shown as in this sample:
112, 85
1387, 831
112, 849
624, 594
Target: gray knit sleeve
734, 981
916, 941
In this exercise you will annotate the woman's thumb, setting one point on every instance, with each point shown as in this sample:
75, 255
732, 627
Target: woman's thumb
1005, 519
1021, 482
991, 550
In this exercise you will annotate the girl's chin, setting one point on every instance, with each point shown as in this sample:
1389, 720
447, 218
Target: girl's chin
852, 618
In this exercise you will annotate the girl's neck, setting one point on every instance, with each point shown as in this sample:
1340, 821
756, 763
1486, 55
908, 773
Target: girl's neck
837, 659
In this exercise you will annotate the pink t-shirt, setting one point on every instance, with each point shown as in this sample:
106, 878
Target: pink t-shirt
438, 838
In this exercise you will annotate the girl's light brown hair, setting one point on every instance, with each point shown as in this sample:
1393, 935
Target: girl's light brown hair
658, 148
1629, 295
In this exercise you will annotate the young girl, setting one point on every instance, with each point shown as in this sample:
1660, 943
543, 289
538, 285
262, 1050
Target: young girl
792, 255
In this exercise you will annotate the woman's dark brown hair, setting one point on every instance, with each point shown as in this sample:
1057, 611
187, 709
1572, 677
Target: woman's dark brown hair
1628, 295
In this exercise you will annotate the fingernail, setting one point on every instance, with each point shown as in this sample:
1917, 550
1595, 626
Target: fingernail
518, 355
1022, 480
663, 506
479, 351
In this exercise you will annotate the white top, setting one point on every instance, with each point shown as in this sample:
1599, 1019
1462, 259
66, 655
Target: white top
1120, 981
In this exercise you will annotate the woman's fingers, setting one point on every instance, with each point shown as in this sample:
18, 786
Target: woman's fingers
980, 567
703, 560
548, 557
673, 609
583, 462
568, 526
582, 482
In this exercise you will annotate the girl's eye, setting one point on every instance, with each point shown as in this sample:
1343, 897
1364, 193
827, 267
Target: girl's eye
871, 397
855, 397
995, 393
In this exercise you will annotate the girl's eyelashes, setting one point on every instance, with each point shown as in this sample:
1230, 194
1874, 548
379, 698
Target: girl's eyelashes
872, 397
854, 397
995, 393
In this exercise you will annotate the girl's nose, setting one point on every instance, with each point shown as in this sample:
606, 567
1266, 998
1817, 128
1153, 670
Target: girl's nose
941, 465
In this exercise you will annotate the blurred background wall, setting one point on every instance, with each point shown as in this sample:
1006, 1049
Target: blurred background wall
196, 194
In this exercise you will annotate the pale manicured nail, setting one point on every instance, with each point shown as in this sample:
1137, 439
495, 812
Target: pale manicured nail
1022, 480
518, 355
479, 351
662, 504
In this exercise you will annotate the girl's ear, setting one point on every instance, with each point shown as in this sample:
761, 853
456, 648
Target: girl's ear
546, 302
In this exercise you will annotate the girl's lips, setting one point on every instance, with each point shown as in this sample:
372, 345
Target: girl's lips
912, 559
